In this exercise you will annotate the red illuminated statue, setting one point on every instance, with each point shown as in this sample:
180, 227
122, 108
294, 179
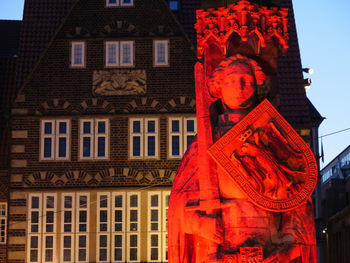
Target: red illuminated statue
242, 191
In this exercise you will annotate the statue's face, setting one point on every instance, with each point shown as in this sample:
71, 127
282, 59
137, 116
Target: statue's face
238, 86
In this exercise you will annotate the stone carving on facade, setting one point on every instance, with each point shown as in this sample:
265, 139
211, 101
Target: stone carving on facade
119, 82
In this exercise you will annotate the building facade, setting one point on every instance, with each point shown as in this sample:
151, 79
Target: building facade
103, 113
335, 198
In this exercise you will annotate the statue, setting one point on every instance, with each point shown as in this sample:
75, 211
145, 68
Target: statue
217, 211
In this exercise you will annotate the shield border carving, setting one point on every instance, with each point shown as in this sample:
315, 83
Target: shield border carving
282, 205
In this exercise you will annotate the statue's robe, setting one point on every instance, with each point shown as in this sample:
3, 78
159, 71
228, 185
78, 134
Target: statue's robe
243, 223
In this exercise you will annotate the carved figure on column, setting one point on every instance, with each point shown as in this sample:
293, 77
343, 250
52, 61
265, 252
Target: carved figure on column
246, 197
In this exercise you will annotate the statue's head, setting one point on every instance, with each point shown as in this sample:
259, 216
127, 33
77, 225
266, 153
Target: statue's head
237, 81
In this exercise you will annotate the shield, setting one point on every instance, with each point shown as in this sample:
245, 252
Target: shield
268, 160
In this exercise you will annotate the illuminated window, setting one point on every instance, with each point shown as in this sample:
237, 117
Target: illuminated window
94, 139
133, 228
118, 227
116, 3
181, 133
78, 54
161, 52
82, 227
3, 223
67, 227
49, 227
158, 203
144, 137
103, 227
55, 139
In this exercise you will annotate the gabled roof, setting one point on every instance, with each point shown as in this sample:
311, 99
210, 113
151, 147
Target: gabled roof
9, 30
41, 19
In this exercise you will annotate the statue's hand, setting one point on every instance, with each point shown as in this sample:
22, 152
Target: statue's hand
211, 229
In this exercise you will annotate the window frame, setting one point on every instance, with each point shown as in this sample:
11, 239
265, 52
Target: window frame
3, 222
182, 133
165, 207
121, 53
83, 58
144, 135
107, 54
94, 135
150, 231
37, 234
70, 234
119, 3
131, 232
106, 233
156, 62
55, 137
52, 233
79, 233
123, 226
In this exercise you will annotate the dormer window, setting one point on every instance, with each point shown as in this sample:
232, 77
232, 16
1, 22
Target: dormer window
120, 3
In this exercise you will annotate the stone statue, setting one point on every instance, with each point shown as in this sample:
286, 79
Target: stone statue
212, 217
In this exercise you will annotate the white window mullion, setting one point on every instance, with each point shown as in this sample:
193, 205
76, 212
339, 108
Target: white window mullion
3, 223
175, 137
67, 227
126, 53
101, 132
136, 138
62, 139
165, 207
103, 227
161, 52
151, 138
133, 228
34, 227
86, 139
112, 53
118, 227
77, 54
190, 130
82, 227
48, 139
154, 228
49, 228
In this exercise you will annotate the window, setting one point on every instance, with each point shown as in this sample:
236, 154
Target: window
67, 227
42, 224
181, 133
133, 228
158, 203
118, 227
144, 138
82, 229
115, 3
94, 139
42, 227
174, 5
161, 52
103, 227
55, 139
78, 54
119, 53
3, 223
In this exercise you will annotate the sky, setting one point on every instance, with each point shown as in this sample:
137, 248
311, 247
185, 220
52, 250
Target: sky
323, 28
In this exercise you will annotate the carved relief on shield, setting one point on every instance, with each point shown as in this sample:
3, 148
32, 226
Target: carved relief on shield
268, 160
